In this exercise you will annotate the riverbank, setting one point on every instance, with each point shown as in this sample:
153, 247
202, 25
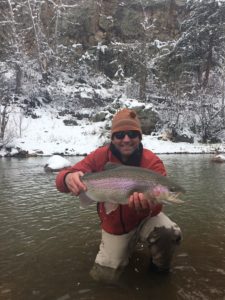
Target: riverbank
81, 148
48, 135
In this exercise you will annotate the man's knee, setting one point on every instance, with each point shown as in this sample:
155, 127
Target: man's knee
172, 234
163, 243
165, 236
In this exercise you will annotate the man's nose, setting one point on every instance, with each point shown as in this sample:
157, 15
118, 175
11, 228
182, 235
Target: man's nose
126, 138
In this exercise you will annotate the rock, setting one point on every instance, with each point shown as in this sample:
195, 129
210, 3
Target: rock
39, 152
179, 138
218, 158
56, 163
148, 119
70, 122
99, 117
20, 154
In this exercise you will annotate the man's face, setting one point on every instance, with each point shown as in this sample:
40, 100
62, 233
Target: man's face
126, 145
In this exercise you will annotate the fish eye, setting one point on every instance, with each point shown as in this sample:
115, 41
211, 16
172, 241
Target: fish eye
172, 188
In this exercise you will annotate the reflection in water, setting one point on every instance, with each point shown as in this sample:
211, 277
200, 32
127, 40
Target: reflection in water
48, 244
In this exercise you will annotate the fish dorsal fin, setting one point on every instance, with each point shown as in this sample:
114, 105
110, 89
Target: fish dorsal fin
110, 166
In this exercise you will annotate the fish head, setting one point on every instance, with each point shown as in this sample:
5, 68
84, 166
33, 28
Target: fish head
168, 194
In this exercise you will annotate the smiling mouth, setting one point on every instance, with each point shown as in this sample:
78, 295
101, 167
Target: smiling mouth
126, 146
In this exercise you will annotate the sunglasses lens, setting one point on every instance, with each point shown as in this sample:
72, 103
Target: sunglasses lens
120, 135
131, 134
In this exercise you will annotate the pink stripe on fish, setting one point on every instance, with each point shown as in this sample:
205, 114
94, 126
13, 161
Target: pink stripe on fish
115, 183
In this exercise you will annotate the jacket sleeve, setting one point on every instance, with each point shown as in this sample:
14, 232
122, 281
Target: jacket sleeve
88, 164
157, 165
153, 162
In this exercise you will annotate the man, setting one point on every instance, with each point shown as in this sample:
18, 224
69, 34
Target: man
138, 221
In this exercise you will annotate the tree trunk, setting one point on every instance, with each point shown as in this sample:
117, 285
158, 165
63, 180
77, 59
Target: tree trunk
19, 75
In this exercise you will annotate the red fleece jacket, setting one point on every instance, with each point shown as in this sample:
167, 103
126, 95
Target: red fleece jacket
124, 218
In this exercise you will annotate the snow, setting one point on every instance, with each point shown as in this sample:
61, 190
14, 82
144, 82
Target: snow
160, 44
49, 135
58, 162
219, 157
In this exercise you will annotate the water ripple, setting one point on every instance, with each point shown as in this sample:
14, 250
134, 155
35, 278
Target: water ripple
48, 244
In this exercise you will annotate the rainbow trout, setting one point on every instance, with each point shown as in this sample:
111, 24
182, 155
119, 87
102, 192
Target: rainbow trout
117, 182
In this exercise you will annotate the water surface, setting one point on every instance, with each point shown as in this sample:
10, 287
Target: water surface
48, 244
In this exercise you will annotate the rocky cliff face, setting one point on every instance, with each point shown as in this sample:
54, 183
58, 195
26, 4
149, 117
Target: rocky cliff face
89, 22
145, 21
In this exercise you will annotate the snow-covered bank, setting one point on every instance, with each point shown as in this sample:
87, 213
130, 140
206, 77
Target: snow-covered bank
48, 135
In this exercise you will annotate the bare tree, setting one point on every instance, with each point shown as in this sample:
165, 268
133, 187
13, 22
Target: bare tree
34, 14
4, 116
223, 100
209, 123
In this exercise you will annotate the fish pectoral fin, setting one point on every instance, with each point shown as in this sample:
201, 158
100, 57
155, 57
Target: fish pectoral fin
85, 201
110, 207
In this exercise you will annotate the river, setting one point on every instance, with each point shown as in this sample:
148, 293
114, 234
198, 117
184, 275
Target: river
48, 244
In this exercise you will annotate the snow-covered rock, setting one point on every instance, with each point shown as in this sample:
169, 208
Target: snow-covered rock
219, 158
56, 163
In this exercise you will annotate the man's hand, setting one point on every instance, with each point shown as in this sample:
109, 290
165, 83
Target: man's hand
74, 184
139, 202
